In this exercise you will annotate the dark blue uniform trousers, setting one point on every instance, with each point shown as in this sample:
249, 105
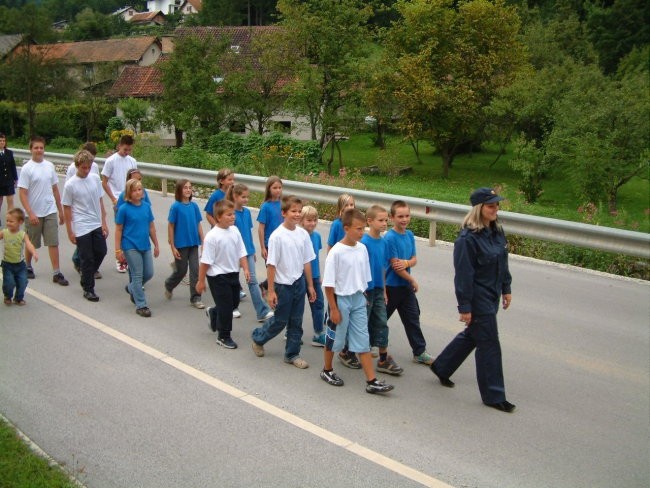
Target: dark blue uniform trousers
483, 335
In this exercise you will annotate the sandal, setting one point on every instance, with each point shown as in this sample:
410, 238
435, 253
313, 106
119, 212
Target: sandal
19, 302
7, 301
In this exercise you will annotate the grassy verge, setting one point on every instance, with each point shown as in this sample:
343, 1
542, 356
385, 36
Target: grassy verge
20, 467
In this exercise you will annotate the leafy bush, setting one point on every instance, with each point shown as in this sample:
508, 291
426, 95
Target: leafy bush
61, 142
192, 156
114, 124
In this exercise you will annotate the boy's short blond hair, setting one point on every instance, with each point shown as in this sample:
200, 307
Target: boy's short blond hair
18, 213
373, 211
82, 157
307, 212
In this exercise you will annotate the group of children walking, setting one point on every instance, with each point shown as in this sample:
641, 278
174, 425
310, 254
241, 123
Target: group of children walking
366, 275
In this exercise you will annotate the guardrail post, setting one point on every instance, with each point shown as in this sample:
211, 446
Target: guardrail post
163, 184
432, 233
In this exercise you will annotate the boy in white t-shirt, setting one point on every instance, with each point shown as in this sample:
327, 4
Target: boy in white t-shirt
70, 172
85, 220
39, 195
114, 178
345, 279
290, 254
223, 254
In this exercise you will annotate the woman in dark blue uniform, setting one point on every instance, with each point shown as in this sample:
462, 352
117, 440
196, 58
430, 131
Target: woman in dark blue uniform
482, 279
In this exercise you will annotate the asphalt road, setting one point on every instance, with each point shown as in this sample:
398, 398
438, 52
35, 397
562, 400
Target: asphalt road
124, 401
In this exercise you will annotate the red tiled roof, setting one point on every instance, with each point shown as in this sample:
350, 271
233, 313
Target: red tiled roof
238, 36
129, 49
144, 17
197, 4
137, 82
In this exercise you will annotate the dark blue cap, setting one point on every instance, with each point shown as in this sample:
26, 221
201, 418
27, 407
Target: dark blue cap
484, 195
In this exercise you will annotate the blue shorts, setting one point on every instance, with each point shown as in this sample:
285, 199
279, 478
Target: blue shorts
353, 325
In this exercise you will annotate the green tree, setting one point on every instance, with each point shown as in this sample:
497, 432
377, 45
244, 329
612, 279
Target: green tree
222, 12
331, 37
135, 112
450, 59
90, 25
254, 83
602, 134
192, 78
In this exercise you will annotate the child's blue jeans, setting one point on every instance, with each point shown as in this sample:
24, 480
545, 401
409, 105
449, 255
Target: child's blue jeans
14, 276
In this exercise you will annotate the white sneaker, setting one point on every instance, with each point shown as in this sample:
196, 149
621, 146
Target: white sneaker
121, 267
374, 352
236, 313
267, 316
198, 304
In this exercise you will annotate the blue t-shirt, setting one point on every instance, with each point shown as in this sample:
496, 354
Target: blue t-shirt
244, 223
135, 220
400, 246
378, 253
216, 196
317, 245
185, 217
271, 216
145, 198
336, 233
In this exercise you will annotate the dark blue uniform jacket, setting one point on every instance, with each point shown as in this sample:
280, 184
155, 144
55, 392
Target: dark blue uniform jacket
482, 275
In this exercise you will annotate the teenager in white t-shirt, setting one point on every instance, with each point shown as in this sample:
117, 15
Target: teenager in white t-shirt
39, 195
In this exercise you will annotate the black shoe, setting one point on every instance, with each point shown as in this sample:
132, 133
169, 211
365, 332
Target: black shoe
504, 406
30, 273
90, 296
143, 312
349, 360
443, 381
126, 289
60, 279
213, 327
378, 387
227, 342
331, 377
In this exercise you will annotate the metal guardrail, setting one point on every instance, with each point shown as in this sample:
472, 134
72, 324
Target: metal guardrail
583, 235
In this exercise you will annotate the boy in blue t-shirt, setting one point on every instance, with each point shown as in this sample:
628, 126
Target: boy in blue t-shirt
377, 219
309, 221
400, 285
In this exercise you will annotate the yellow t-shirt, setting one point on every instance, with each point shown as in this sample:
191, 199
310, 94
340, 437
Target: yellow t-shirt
14, 246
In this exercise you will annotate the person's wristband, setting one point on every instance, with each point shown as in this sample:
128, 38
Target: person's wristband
118, 251
406, 263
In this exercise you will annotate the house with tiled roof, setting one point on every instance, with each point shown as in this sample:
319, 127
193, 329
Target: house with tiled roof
96, 63
146, 82
147, 18
8, 43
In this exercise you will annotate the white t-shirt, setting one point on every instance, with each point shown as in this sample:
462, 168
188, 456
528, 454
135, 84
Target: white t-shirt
72, 170
115, 169
38, 179
289, 251
222, 250
83, 195
347, 269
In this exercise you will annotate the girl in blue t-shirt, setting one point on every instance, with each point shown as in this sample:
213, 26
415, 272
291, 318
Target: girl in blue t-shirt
270, 216
134, 228
225, 179
337, 233
238, 194
185, 235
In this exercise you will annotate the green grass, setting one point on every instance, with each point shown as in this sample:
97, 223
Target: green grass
470, 171
20, 467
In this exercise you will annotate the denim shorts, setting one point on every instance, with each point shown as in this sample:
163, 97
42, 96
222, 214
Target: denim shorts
353, 325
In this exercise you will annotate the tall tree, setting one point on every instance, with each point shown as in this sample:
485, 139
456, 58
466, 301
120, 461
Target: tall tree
450, 58
602, 134
333, 37
192, 78
254, 81
222, 12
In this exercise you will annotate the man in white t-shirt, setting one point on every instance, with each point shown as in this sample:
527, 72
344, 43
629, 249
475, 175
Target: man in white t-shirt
114, 177
85, 220
40, 198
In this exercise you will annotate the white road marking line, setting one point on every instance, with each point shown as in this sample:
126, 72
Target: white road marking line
305, 425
